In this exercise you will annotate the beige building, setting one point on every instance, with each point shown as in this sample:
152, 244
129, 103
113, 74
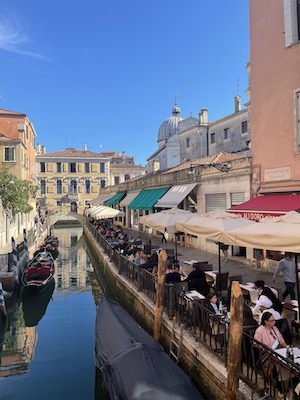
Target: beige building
122, 167
69, 179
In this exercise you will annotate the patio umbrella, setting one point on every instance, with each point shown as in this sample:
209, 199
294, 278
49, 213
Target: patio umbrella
108, 212
165, 220
213, 225
94, 210
272, 233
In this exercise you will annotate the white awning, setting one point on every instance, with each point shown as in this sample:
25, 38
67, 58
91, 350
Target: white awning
128, 199
175, 195
102, 198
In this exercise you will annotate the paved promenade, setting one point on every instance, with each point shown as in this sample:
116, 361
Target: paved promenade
233, 266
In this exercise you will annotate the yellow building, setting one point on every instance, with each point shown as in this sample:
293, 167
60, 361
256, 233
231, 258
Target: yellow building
69, 179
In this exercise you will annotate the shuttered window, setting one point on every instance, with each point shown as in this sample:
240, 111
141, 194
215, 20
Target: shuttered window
237, 198
216, 200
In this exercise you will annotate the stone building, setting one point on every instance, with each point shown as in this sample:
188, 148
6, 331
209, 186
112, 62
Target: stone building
188, 139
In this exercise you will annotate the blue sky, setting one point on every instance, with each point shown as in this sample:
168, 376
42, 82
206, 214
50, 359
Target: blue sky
104, 73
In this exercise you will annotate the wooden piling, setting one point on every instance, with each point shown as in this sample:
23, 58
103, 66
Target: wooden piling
235, 340
161, 278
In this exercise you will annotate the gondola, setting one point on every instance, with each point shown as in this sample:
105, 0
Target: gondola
134, 366
39, 272
50, 244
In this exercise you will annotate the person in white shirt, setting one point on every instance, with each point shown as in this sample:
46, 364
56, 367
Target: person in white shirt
264, 304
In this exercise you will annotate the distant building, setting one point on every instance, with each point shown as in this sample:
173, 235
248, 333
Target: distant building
69, 179
122, 167
188, 139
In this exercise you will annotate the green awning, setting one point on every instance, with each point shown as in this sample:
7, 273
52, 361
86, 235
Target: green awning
113, 200
147, 198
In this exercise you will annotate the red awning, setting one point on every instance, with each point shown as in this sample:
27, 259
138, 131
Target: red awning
267, 206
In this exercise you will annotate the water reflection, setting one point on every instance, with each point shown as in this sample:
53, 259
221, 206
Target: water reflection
35, 304
53, 339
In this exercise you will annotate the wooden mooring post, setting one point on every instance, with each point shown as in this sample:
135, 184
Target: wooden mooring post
161, 278
235, 341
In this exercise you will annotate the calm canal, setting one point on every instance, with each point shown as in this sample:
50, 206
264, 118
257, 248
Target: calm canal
51, 356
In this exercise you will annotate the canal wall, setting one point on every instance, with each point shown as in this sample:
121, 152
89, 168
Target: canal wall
198, 361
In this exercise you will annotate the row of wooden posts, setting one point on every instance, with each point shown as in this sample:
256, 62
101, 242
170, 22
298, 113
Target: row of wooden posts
235, 332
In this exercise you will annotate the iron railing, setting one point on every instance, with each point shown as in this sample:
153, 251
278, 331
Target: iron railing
263, 369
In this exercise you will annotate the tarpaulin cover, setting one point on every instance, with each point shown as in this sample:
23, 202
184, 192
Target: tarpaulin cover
133, 364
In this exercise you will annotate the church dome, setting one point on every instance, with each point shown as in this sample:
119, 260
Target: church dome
169, 127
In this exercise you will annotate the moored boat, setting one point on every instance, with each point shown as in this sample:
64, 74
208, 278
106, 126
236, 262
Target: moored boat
39, 271
134, 366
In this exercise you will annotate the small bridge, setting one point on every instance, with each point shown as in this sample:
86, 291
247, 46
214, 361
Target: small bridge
66, 216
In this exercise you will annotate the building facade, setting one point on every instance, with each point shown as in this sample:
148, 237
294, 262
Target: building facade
17, 156
275, 96
70, 179
188, 139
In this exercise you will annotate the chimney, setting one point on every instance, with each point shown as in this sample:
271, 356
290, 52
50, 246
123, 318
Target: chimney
237, 103
203, 116
38, 148
43, 149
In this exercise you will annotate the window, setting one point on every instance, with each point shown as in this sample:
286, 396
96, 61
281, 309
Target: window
86, 167
102, 183
226, 133
9, 154
27, 132
212, 138
126, 177
43, 186
291, 10
187, 141
87, 186
59, 186
59, 203
73, 186
244, 126
102, 167
42, 167
58, 167
117, 180
72, 167
297, 107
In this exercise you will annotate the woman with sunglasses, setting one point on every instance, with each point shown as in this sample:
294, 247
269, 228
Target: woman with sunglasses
268, 334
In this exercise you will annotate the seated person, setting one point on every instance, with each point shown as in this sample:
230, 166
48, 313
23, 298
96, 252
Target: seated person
197, 281
211, 303
265, 304
248, 319
173, 275
268, 334
268, 292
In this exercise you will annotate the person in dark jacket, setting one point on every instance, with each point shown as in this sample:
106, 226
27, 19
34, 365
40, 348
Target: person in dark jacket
197, 281
267, 291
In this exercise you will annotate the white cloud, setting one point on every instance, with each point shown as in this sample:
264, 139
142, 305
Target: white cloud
13, 40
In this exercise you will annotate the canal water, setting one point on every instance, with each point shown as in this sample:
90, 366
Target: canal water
47, 344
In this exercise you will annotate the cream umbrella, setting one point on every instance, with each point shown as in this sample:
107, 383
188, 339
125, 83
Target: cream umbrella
165, 220
108, 212
213, 225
